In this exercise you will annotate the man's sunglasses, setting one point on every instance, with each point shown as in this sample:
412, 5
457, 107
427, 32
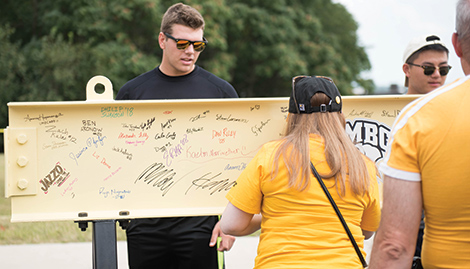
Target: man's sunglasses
429, 70
183, 44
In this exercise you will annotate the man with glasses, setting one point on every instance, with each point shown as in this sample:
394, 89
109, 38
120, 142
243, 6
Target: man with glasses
426, 68
425, 64
177, 242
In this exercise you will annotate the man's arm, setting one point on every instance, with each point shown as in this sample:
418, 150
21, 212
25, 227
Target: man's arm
395, 241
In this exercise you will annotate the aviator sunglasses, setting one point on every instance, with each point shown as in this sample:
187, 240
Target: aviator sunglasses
429, 70
182, 44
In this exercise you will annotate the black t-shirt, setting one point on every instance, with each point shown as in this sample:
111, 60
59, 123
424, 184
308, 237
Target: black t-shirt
195, 85
155, 85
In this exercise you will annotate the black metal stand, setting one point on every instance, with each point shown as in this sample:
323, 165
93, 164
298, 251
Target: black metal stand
104, 242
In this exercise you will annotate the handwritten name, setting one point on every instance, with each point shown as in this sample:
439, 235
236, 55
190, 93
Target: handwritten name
112, 174
113, 193
103, 160
44, 119
123, 152
163, 148
390, 114
90, 126
90, 142
194, 130
158, 176
170, 135
69, 188
99, 141
230, 119
258, 128
55, 145
89, 123
199, 116
239, 167
363, 113
61, 134
211, 153
174, 152
167, 124
210, 184
222, 134
142, 126
135, 142
141, 135
116, 111
93, 130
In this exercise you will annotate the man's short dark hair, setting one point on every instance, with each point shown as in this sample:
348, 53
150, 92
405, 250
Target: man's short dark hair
181, 14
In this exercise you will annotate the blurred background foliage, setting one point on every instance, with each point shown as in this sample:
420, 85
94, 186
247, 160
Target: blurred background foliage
49, 49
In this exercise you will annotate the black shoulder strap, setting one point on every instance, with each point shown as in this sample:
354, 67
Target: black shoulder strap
345, 225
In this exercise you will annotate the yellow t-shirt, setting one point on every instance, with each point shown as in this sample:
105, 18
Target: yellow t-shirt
301, 229
431, 143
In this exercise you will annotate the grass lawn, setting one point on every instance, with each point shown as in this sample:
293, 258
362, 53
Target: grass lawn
39, 232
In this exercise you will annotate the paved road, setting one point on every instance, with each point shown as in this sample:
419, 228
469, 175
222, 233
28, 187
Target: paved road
79, 255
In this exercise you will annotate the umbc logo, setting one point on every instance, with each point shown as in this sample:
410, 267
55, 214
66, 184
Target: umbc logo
369, 136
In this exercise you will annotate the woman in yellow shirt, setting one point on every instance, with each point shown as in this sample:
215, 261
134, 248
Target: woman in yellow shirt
278, 193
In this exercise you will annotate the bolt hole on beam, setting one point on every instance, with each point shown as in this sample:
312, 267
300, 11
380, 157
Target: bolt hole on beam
99, 88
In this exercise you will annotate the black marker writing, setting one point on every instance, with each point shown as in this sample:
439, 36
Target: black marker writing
159, 176
204, 182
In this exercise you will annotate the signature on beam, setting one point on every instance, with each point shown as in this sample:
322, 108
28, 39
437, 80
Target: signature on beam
158, 176
211, 184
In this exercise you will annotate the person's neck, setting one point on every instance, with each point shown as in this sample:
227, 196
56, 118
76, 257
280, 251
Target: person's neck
170, 73
411, 91
465, 66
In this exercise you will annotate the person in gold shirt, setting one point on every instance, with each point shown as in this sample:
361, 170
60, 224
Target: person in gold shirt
299, 228
427, 167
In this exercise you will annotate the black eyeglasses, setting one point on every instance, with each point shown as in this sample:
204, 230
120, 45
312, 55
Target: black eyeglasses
429, 70
183, 44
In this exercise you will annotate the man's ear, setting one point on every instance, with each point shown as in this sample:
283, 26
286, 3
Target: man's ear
161, 38
406, 69
456, 43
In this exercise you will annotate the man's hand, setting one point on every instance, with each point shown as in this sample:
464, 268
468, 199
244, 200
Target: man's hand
227, 240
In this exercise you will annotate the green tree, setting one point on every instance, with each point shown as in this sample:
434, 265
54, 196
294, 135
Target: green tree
49, 49
276, 40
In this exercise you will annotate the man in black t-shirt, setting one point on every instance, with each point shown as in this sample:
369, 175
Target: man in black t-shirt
177, 242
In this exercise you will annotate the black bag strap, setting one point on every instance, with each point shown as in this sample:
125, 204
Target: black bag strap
345, 225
